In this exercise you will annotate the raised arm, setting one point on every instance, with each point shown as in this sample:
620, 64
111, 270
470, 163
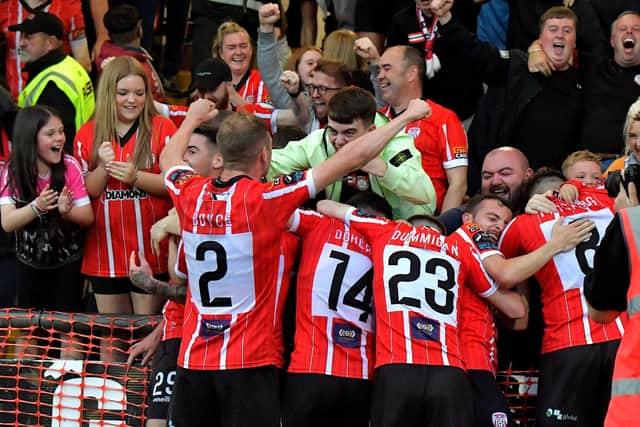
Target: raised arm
358, 152
267, 54
199, 112
334, 209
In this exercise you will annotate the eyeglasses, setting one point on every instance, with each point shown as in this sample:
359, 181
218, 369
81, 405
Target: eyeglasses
322, 90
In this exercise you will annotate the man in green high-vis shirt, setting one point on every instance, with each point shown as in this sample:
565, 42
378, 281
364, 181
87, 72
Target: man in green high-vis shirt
54, 78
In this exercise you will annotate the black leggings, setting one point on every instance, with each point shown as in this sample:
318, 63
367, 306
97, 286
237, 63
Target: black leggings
56, 289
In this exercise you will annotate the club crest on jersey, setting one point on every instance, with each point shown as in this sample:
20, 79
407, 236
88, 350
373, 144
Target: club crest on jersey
424, 329
414, 132
346, 335
180, 176
499, 419
213, 327
473, 228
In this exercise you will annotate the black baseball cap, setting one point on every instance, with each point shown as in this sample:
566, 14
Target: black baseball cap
40, 22
210, 73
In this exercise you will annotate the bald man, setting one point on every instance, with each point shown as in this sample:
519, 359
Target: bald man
505, 171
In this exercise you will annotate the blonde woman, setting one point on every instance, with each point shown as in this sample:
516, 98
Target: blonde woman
233, 45
339, 47
119, 151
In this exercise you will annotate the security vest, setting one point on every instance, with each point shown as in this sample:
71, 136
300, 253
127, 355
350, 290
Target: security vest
71, 79
624, 408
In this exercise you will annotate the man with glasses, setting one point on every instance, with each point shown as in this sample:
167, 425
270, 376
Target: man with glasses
396, 174
328, 77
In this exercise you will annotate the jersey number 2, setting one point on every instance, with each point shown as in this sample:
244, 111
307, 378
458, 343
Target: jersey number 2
217, 274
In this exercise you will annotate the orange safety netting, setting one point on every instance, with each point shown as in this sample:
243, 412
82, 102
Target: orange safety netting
51, 373
41, 385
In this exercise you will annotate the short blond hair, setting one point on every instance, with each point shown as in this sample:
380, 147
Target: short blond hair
579, 156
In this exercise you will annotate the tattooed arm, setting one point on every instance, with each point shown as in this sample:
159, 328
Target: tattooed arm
141, 277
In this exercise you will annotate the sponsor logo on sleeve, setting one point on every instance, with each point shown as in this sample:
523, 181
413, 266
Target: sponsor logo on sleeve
460, 152
400, 158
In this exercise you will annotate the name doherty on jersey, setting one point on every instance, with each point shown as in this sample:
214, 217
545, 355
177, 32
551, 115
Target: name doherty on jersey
348, 237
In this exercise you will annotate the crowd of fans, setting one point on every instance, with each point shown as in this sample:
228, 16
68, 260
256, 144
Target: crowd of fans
363, 216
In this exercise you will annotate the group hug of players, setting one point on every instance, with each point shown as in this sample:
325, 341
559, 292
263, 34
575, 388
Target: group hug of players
394, 323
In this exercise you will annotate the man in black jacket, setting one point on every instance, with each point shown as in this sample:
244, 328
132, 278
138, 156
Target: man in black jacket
539, 115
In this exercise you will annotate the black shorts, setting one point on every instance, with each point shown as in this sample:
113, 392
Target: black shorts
575, 385
118, 285
57, 289
312, 400
234, 397
163, 377
490, 407
420, 396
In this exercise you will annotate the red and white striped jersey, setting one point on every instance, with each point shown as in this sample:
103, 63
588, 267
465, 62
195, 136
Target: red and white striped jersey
173, 312
263, 111
123, 214
476, 322
254, 90
289, 248
442, 143
564, 308
416, 289
228, 232
14, 12
334, 317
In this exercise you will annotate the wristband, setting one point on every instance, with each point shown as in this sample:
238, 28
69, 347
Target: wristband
36, 209
300, 90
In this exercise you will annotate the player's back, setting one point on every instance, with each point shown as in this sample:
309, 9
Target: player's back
334, 318
231, 235
416, 276
565, 313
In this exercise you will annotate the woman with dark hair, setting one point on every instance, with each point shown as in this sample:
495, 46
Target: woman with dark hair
45, 202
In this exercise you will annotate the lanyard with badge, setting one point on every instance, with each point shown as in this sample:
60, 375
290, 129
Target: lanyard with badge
431, 60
